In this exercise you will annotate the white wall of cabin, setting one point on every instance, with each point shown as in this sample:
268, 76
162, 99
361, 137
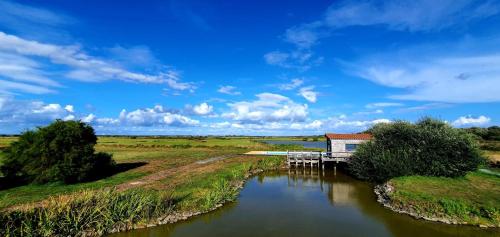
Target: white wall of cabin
339, 145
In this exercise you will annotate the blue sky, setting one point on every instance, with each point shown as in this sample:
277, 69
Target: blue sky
248, 67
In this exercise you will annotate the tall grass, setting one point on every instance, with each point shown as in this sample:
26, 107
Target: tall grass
88, 213
269, 163
220, 192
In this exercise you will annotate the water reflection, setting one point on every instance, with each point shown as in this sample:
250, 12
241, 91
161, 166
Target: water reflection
307, 202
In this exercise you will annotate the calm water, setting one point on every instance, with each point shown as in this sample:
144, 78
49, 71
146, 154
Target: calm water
306, 144
306, 203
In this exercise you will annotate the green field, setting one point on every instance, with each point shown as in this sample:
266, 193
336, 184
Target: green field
157, 155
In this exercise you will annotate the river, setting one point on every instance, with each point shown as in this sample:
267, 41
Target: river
306, 202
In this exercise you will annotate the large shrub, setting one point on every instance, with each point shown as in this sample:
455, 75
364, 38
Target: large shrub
63, 151
430, 148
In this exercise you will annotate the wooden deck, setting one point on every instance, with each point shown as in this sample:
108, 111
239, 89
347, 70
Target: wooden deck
307, 158
311, 158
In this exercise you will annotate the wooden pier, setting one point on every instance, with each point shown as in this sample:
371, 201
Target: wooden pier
308, 158
303, 158
312, 158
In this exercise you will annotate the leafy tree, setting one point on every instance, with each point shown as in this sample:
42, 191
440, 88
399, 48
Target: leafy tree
63, 151
430, 147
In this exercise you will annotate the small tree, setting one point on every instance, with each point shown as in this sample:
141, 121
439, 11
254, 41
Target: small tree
62, 151
430, 147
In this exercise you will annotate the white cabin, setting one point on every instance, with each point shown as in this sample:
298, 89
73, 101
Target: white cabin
343, 145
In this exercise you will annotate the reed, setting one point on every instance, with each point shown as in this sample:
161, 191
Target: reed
89, 213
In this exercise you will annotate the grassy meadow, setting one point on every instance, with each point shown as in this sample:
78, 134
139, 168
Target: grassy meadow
190, 174
142, 156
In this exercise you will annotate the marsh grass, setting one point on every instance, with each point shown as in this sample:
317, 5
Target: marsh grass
88, 213
474, 199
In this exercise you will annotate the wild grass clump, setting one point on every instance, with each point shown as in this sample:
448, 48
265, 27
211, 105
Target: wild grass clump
429, 147
269, 163
221, 191
181, 146
87, 213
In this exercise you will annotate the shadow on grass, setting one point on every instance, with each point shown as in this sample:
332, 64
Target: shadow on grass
7, 183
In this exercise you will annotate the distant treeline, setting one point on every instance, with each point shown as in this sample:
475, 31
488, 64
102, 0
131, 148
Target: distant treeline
490, 134
316, 137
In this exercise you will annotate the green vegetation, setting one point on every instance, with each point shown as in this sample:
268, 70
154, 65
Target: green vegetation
36, 192
95, 212
189, 174
156, 155
474, 199
489, 141
62, 151
429, 148
488, 134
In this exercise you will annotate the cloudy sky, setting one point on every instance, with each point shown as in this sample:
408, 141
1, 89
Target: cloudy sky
248, 67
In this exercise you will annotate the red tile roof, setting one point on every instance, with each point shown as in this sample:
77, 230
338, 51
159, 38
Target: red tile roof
338, 136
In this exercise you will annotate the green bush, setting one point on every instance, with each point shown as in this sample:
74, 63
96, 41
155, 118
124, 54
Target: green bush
62, 151
430, 148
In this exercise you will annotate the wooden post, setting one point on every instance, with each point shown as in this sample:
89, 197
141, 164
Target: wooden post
288, 159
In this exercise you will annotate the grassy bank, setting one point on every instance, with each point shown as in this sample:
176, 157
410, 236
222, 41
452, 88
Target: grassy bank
473, 199
86, 213
164, 176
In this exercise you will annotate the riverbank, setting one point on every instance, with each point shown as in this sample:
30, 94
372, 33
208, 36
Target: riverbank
167, 180
94, 213
471, 200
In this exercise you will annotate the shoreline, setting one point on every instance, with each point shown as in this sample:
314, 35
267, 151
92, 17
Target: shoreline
383, 192
181, 216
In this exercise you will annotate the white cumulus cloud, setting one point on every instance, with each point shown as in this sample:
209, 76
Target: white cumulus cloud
469, 121
203, 109
89, 118
69, 108
268, 107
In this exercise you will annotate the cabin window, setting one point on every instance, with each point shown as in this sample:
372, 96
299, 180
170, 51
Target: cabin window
350, 147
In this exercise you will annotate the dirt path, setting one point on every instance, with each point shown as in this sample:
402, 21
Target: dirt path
163, 174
